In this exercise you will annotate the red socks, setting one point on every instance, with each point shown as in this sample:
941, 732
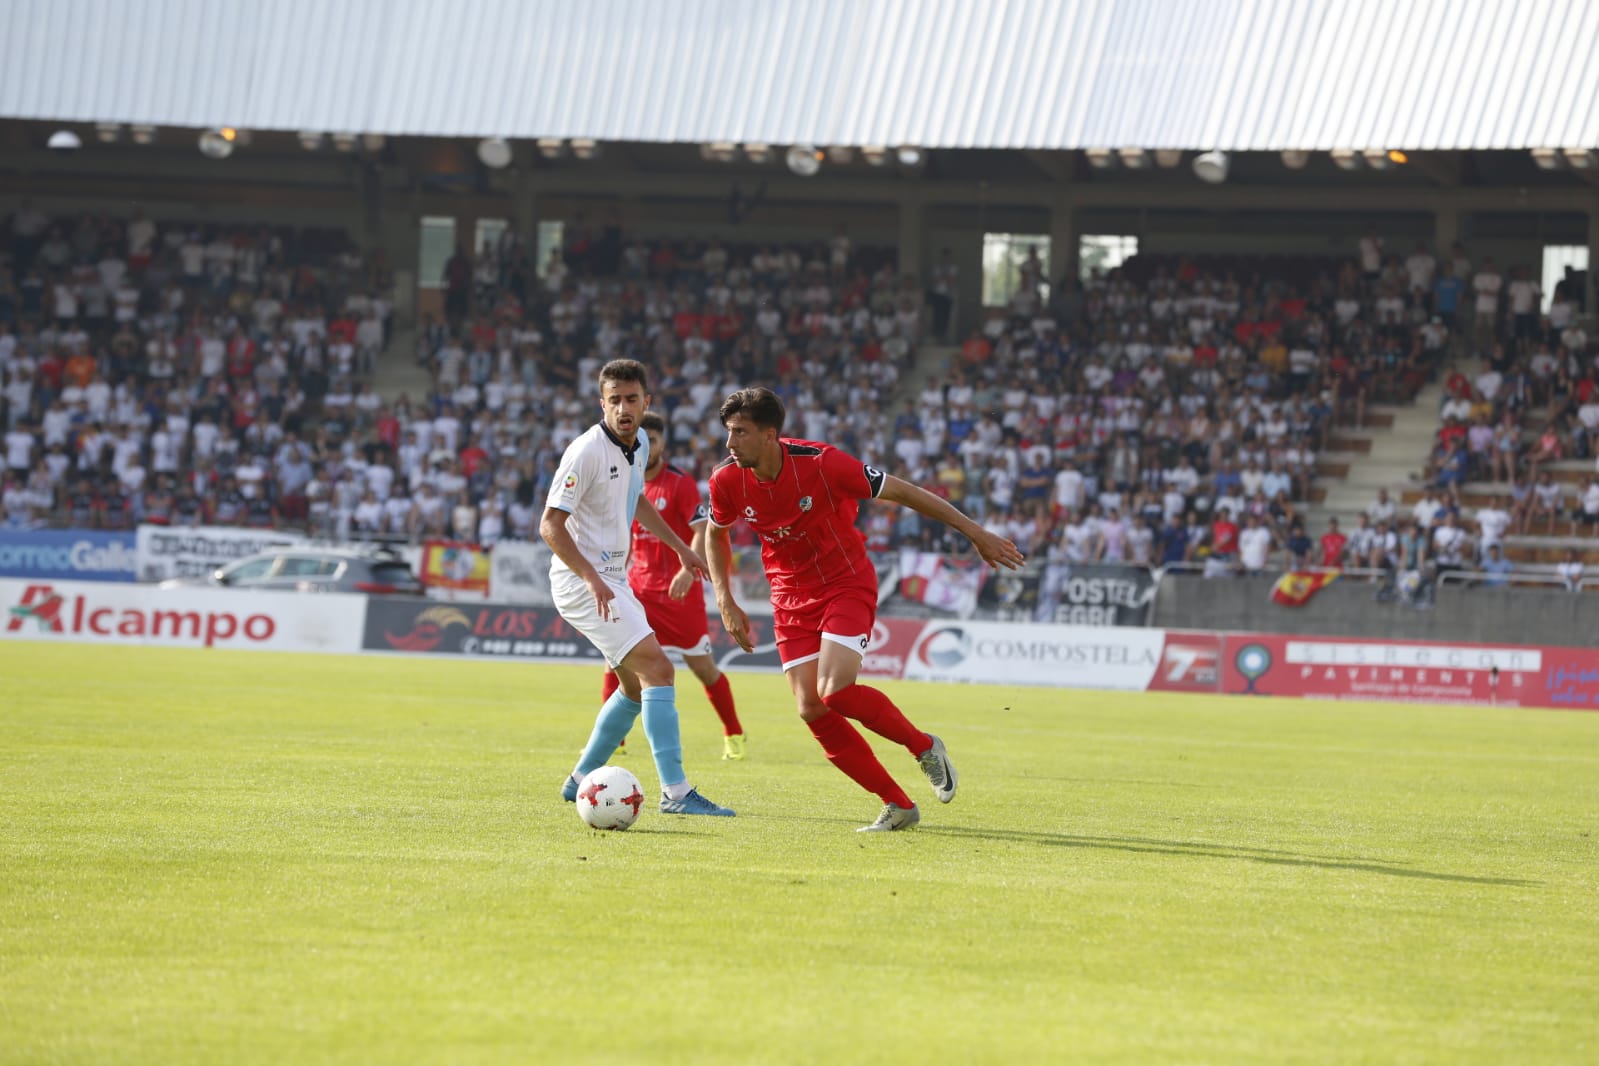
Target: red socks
848, 750
877, 712
721, 697
609, 685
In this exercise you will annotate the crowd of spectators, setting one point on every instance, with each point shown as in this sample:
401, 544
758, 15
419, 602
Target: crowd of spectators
1524, 366
177, 372
1170, 411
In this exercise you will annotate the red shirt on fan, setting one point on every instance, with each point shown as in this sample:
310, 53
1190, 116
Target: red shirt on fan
677, 497
805, 518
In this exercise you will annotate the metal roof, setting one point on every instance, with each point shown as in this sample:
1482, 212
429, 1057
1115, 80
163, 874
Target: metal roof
1238, 74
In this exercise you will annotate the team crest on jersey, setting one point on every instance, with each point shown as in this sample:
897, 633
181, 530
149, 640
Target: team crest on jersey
805, 503
749, 512
660, 504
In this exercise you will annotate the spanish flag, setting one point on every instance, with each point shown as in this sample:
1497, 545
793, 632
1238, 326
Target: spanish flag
1295, 588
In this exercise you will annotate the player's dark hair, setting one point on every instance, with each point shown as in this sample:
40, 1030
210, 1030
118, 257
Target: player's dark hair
652, 420
625, 370
759, 404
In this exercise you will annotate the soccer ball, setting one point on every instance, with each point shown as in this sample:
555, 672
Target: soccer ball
609, 798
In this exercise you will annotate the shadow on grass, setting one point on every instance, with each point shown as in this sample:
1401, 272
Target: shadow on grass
1149, 846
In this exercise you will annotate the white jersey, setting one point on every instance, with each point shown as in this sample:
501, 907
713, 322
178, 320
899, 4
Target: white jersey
598, 483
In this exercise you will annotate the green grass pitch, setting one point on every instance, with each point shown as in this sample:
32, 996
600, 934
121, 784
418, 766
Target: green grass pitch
214, 857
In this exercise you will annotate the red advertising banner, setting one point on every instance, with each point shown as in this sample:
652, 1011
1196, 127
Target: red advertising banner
1351, 668
1189, 662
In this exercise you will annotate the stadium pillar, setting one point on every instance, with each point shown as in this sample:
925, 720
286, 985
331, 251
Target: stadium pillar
1445, 231
1063, 236
525, 210
1591, 289
911, 217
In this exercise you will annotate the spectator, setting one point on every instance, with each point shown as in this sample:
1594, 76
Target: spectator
1587, 509
1570, 571
1546, 501
1332, 546
1254, 545
1496, 568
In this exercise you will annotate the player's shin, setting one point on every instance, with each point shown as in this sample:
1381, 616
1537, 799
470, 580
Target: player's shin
848, 750
666, 745
720, 694
615, 719
878, 713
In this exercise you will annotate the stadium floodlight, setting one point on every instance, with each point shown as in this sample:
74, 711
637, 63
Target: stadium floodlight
1100, 158
494, 152
1346, 159
142, 134
841, 155
373, 142
1134, 158
1168, 157
310, 140
64, 141
551, 147
1295, 160
108, 132
876, 155
1397, 157
1377, 159
910, 156
1548, 158
1212, 166
585, 148
218, 143
1582, 158
345, 142
804, 160
759, 153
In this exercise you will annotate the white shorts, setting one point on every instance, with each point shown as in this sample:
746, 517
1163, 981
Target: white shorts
626, 628
676, 654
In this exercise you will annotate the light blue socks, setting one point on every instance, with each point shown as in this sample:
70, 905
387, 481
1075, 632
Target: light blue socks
615, 719
660, 727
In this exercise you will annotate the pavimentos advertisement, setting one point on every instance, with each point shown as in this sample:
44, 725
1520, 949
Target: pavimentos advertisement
84, 612
68, 554
1343, 668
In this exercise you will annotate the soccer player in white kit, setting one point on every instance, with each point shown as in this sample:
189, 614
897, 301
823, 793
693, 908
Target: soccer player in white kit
588, 524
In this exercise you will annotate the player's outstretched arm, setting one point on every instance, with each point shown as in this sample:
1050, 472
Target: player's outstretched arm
719, 550
647, 516
994, 550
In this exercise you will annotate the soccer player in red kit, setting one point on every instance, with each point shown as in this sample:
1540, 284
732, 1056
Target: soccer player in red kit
671, 595
801, 498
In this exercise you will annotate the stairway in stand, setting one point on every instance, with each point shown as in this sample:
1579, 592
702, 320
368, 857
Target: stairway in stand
1385, 453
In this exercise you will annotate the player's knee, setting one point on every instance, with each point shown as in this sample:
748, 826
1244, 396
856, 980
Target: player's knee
829, 687
811, 707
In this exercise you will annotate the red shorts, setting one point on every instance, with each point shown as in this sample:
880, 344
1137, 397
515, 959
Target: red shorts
679, 624
846, 618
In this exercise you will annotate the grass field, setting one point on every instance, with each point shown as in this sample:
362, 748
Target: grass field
215, 857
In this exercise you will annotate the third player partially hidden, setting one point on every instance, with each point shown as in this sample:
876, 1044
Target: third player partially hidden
801, 498
672, 595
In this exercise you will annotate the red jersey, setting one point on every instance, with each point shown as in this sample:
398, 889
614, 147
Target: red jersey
676, 496
805, 518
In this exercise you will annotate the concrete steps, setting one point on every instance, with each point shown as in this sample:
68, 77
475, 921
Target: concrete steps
1386, 453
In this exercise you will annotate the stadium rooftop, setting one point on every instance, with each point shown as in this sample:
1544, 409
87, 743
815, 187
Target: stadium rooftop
1238, 75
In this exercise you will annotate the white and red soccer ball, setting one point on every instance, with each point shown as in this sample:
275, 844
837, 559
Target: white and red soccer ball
609, 798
